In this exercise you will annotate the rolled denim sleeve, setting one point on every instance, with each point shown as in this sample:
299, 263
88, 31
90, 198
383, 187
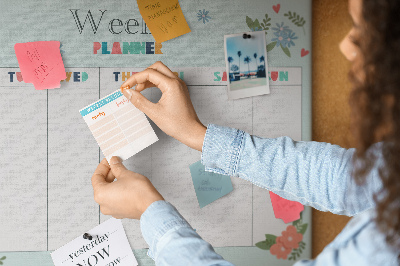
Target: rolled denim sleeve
313, 173
171, 239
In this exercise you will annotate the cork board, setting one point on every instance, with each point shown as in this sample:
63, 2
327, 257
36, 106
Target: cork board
331, 89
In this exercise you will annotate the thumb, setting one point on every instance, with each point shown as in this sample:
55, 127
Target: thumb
138, 100
117, 167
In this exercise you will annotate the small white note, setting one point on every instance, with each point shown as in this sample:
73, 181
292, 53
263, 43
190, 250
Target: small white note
109, 247
118, 126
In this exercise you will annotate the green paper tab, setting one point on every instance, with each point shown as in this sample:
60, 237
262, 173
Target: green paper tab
209, 186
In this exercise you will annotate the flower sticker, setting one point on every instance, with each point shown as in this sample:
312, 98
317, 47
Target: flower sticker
290, 37
290, 244
290, 238
203, 15
280, 39
280, 251
283, 36
281, 28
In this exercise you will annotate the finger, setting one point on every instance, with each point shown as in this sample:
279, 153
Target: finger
117, 167
140, 102
110, 177
142, 86
105, 210
100, 174
159, 80
160, 67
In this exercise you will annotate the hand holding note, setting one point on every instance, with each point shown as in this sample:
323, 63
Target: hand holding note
127, 197
174, 113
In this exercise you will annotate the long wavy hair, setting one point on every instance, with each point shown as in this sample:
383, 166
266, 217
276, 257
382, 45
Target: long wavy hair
375, 102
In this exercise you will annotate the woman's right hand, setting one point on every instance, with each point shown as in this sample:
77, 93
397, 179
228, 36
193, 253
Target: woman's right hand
174, 112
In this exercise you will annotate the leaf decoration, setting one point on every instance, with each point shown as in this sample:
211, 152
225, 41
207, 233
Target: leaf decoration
265, 24
286, 50
3, 258
297, 252
299, 221
295, 18
263, 245
271, 46
267, 243
253, 25
1, 263
302, 228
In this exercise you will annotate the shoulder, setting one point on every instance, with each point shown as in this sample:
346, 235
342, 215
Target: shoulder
361, 241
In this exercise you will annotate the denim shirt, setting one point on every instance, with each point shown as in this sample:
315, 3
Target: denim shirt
313, 173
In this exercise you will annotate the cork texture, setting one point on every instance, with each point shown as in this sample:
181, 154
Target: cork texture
330, 100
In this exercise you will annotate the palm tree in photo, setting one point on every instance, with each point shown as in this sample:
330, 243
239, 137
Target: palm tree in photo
230, 60
262, 59
247, 60
239, 55
255, 60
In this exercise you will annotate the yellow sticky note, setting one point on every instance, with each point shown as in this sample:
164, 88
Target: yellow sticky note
164, 18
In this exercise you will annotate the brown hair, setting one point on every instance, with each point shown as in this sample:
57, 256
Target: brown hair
375, 103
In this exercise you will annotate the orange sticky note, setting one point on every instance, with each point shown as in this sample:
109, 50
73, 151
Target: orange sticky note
284, 209
164, 18
41, 63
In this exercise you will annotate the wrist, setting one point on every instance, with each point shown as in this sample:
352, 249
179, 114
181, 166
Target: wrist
150, 200
197, 137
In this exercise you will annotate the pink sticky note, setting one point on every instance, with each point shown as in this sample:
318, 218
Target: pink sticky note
284, 209
41, 63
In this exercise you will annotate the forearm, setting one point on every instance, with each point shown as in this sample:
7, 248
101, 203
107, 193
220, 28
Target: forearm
172, 240
312, 173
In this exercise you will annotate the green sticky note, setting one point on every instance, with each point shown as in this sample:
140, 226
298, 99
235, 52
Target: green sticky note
209, 186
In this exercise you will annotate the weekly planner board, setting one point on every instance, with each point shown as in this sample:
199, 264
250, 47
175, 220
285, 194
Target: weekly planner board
48, 153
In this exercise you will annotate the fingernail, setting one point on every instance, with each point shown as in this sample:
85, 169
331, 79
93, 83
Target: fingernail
128, 93
124, 88
115, 160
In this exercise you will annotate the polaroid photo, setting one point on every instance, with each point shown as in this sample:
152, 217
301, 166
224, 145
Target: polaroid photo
247, 65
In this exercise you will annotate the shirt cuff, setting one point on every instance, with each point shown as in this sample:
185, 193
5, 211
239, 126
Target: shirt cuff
222, 148
158, 219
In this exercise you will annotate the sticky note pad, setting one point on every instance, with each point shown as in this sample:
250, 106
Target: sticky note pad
108, 246
118, 126
41, 63
164, 18
284, 209
209, 186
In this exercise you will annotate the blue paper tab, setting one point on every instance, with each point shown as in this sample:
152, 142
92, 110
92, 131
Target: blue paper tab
209, 186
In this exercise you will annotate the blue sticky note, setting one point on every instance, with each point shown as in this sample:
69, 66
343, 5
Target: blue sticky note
209, 186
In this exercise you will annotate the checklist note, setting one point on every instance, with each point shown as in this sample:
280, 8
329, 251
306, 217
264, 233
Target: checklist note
119, 128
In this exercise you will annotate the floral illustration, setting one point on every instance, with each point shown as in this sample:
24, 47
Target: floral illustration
2, 259
281, 29
284, 37
296, 20
256, 25
290, 238
290, 37
203, 15
290, 244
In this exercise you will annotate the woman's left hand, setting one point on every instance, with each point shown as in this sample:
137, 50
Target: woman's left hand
128, 197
